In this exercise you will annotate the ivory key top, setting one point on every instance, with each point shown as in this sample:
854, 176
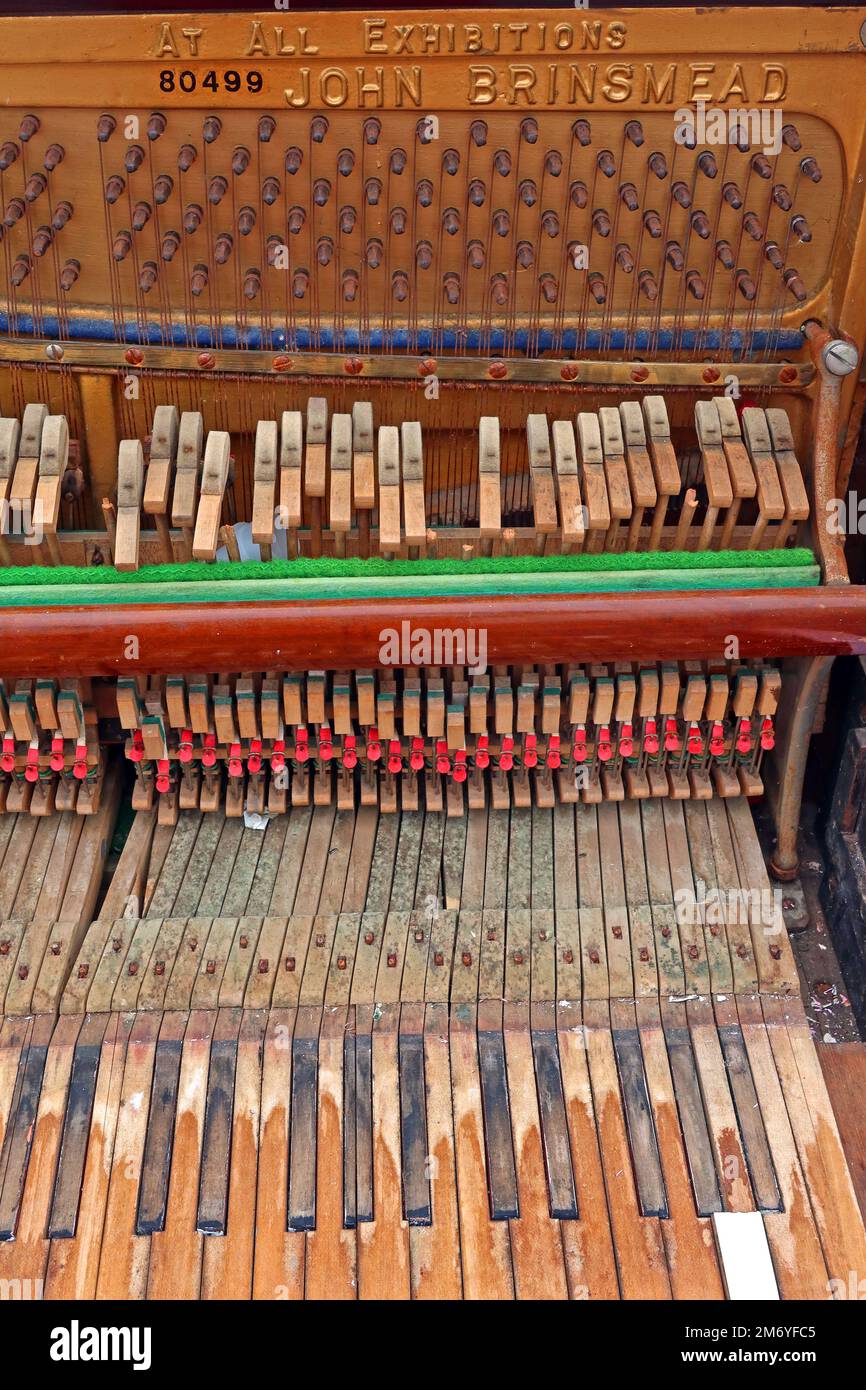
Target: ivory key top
315, 466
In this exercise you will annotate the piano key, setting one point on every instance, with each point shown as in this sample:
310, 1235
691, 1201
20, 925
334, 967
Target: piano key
176, 1250
724, 1131
693, 1121
413, 1117
350, 1121
435, 1249
157, 1156
501, 1174
639, 1119
18, 1139
763, 1177
278, 1270
551, 1108
301, 1211
216, 1143
383, 1243
331, 1255
76, 1127
364, 1176
536, 1243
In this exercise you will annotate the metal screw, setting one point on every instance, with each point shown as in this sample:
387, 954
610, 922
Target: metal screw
840, 357
211, 967
54, 352
290, 963
263, 966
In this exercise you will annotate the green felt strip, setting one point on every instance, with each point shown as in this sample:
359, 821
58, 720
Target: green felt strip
461, 585
506, 567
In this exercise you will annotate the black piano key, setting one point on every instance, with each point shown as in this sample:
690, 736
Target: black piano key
159, 1141
301, 1214
754, 1135
561, 1192
76, 1129
18, 1140
639, 1121
413, 1130
213, 1192
501, 1173
350, 1166
364, 1207
693, 1122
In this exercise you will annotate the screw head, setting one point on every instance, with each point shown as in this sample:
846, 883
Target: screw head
54, 352
639, 373
788, 375
710, 374
282, 363
134, 356
498, 370
569, 371
840, 357
206, 360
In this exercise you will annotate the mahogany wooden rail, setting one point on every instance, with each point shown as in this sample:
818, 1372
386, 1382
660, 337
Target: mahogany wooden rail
99, 640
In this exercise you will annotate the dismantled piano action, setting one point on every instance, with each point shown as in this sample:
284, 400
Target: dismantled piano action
416, 520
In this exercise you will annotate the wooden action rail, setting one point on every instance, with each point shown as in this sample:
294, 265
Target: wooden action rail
356, 1119
51, 758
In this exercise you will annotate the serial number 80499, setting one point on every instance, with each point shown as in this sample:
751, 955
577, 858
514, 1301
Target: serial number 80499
212, 81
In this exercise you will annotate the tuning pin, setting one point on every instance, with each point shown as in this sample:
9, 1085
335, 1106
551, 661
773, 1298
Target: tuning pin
113, 188
424, 130
524, 254
746, 285
15, 210
294, 160
351, 284
69, 274
774, 255
478, 133
42, 239
707, 164
192, 218
121, 246
345, 163
681, 194
795, 285
475, 253
321, 192
791, 137
647, 285
62, 214
658, 165
324, 250
499, 289
695, 284
801, 229
628, 194
348, 218
105, 128
601, 222
653, 223
20, 270
270, 191
141, 215
374, 253
211, 129
476, 193
29, 126
578, 194
398, 161
752, 227
147, 277
223, 247
700, 224
424, 255
424, 193
762, 166
246, 220
266, 129
35, 186
400, 286
674, 255
596, 286
199, 278
582, 132
811, 169
605, 162
133, 159
624, 258
450, 162
528, 193
501, 222
553, 163
300, 284
725, 255
373, 192
502, 163
186, 157
296, 219
252, 284
549, 286
217, 189
162, 189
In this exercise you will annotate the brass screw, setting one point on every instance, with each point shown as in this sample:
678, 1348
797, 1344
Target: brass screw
569, 371
639, 373
134, 356
282, 363
263, 966
206, 360
211, 967
290, 963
